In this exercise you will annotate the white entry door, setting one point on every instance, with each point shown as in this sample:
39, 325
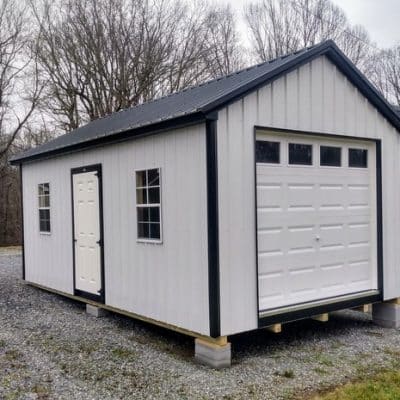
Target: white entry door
87, 234
316, 218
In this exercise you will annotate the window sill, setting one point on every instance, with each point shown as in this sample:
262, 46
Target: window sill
149, 241
45, 233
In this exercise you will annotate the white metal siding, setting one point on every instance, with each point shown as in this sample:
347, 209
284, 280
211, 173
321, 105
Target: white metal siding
316, 97
167, 282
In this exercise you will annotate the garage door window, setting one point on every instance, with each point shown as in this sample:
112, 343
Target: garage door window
148, 205
300, 154
358, 158
330, 156
267, 152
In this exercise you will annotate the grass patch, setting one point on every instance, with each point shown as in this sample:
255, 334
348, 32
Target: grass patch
287, 373
121, 352
374, 333
325, 360
12, 355
383, 386
320, 371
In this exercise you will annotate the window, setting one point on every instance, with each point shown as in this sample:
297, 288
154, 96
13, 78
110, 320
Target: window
44, 207
267, 152
330, 156
148, 204
300, 154
358, 158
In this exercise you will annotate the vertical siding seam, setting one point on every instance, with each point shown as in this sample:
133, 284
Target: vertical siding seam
285, 100
310, 110
272, 108
298, 98
334, 110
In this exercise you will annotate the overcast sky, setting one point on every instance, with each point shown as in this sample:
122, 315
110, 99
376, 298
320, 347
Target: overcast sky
380, 17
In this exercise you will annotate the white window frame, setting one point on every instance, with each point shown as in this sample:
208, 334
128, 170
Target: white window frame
44, 208
147, 205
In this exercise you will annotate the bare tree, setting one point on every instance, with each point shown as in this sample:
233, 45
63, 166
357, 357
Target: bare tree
19, 93
278, 27
384, 71
101, 56
19, 84
224, 50
273, 28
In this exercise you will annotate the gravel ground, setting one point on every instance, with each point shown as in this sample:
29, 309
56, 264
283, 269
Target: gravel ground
50, 349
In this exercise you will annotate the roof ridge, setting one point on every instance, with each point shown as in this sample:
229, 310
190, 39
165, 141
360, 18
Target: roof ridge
186, 89
209, 97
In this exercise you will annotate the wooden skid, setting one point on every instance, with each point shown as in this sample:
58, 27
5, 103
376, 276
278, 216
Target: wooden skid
276, 328
365, 308
321, 317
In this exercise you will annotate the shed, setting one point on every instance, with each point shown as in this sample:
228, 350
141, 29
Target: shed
265, 196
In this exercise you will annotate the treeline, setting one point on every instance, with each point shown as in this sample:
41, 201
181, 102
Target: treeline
66, 62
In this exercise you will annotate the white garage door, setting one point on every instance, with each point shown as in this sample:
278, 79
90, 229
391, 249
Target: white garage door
316, 218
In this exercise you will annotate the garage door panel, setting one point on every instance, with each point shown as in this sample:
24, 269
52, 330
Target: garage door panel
316, 228
359, 233
270, 240
272, 262
270, 195
333, 196
300, 238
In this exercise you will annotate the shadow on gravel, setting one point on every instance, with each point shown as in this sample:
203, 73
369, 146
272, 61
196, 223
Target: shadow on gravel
245, 345
303, 332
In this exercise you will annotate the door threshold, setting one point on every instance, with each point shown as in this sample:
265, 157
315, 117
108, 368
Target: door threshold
318, 303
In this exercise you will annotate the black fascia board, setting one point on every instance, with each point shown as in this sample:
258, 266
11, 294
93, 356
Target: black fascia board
153, 129
330, 49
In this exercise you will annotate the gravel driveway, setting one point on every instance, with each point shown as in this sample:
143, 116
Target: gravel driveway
49, 348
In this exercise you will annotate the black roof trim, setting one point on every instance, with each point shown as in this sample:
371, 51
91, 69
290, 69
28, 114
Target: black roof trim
153, 129
193, 105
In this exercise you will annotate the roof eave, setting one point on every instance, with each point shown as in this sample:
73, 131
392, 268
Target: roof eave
153, 129
329, 49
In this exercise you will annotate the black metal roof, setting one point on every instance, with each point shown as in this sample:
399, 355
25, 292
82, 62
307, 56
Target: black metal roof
196, 104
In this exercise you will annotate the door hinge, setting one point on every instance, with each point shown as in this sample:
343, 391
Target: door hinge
100, 242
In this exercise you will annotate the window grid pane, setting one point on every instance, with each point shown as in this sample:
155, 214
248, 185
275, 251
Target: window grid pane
330, 156
148, 198
358, 158
44, 207
267, 152
300, 154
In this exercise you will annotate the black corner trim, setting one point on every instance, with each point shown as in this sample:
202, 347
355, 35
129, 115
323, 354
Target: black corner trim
22, 221
90, 296
212, 228
379, 220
